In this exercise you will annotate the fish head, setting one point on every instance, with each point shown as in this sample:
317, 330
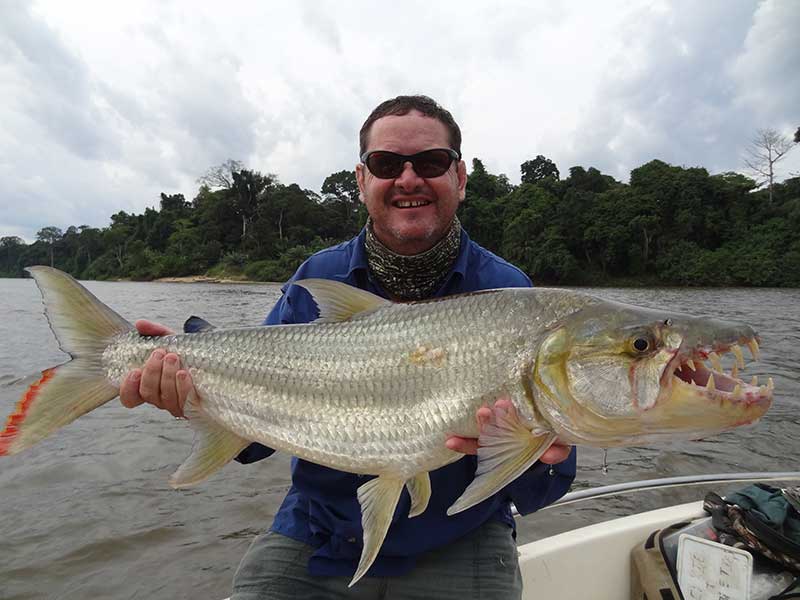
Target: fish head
612, 375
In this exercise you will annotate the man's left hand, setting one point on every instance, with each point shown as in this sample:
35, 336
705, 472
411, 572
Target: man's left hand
556, 453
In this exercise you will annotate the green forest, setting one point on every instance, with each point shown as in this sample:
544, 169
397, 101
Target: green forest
669, 225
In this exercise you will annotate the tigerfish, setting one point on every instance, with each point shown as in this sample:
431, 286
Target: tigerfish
376, 387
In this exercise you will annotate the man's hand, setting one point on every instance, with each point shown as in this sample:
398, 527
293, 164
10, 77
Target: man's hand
161, 382
556, 453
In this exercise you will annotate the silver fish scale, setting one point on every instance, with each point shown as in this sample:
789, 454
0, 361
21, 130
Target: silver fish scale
377, 394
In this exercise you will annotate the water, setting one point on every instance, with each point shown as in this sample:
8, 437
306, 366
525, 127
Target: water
88, 512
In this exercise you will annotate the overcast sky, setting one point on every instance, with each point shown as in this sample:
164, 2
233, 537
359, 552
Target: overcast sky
105, 105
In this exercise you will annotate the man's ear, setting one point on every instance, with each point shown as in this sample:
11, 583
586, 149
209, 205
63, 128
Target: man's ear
360, 181
461, 172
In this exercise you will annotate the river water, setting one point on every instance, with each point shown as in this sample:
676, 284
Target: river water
88, 512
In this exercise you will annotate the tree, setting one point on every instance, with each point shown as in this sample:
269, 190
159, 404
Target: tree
340, 191
10, 247
537, 169
221, 176
766, 149
50, 235
250, 190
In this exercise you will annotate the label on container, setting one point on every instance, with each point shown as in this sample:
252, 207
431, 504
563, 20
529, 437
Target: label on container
712, 571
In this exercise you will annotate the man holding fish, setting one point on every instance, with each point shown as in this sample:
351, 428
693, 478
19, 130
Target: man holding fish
412, 179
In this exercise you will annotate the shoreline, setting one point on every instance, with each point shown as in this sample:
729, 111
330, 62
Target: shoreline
205, 279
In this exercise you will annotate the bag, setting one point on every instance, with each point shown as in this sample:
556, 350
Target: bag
653, 574
758, 518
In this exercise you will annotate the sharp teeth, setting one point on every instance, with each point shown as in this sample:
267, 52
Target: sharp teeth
715, 361
754, 381
690, 362
710, 386
737, 352
763, 390
770, 384
737, 392
753, 345
735, 371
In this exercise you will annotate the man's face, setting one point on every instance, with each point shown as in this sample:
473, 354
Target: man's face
400, 227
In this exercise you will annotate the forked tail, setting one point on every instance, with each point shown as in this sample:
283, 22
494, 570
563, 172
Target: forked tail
83, 326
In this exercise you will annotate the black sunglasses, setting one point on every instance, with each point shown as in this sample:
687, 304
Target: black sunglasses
427, 164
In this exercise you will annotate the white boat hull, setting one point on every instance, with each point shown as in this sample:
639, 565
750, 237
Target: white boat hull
593, 561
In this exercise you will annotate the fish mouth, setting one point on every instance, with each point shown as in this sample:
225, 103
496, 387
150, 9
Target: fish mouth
699, 370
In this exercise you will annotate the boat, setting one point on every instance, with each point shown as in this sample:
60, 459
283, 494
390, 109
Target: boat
602, 552
594, 562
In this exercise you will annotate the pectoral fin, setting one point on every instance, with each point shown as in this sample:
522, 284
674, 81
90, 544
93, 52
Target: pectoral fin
419, 488
378, 499
213, 447
506, 449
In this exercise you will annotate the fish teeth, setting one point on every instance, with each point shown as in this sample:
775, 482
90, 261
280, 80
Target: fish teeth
737, 352
754, 381
711, 386
737, 392
690, 363
770, 384
715, 361
735, 371
753, 345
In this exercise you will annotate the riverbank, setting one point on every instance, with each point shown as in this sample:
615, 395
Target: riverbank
206, 279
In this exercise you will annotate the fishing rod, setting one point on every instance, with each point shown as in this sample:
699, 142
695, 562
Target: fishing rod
667, 482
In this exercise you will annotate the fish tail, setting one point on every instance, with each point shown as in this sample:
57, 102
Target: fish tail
84, 327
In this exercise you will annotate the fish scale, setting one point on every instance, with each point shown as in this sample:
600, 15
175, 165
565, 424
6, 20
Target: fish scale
304, 406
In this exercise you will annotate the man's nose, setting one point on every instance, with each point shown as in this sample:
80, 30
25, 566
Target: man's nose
408, 180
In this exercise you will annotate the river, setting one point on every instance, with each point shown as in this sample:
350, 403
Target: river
88, 512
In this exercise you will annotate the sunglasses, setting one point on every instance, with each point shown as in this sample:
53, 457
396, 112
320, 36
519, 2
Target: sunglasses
427, 164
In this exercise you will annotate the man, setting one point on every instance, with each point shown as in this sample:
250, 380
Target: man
411, 180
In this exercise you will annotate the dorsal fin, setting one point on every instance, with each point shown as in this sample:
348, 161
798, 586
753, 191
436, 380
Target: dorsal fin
195, 325
338, 301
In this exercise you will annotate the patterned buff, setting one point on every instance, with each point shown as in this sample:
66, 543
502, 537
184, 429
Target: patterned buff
413, 277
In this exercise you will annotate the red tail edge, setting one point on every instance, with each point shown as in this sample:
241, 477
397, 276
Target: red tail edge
16, 418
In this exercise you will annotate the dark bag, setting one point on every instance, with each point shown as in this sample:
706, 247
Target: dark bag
653, 575
758, 518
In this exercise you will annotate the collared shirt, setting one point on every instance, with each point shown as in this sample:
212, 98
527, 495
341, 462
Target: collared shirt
322, 509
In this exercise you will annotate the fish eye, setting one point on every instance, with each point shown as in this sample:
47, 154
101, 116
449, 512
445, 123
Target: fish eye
641, 344
668, 323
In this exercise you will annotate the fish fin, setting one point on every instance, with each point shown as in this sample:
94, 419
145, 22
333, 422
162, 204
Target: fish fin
196, 324
338, 301
378, 499
213, 446
83, 326
419, 488
61, 395
506, 449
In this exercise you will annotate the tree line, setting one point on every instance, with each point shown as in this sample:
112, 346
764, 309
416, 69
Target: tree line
670, 225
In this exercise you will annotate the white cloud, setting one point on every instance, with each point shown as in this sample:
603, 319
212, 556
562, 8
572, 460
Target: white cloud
106, 105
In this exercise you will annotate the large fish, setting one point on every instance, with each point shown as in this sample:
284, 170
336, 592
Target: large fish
375, 387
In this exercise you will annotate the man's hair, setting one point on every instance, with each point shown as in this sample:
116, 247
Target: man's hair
402, 105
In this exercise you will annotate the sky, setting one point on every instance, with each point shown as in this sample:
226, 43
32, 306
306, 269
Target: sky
105, 105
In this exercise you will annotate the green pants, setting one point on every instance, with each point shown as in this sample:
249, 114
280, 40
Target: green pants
481, 565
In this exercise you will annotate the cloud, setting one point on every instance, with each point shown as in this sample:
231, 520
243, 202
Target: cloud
105, 106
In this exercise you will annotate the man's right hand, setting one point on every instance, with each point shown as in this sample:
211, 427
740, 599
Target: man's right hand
161, 382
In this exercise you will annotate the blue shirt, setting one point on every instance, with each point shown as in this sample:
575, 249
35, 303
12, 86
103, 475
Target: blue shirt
322, 509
